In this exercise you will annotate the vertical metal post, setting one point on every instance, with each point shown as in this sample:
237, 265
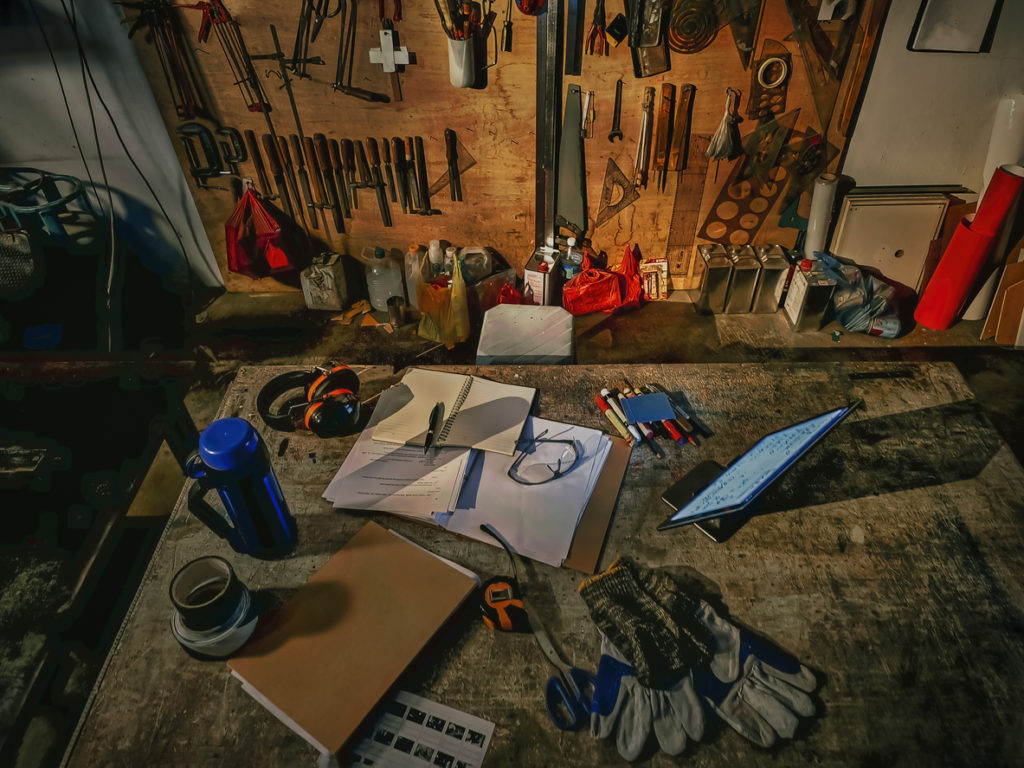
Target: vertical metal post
549, 116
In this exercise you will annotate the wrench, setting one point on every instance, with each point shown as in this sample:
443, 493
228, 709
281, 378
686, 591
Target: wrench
616, 131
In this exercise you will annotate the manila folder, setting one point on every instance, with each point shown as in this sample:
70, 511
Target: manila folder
333, 650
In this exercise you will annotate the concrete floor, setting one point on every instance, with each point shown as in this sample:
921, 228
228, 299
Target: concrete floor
275, 328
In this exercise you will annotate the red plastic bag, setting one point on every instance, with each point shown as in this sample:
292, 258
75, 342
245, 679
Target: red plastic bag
509, 295
255, 242
631, 285
592, 290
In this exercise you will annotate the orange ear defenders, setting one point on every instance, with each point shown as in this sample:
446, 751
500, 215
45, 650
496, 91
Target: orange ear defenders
327, 406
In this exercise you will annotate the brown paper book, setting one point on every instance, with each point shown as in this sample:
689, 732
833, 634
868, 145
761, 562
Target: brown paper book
325, 659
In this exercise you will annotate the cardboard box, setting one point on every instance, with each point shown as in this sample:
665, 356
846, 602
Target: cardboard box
654, 274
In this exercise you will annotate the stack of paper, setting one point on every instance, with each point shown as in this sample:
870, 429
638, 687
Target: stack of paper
459, 489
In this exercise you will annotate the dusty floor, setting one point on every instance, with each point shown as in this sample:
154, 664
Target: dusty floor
273, 329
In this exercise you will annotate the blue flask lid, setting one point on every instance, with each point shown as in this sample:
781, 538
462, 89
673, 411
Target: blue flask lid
227, 443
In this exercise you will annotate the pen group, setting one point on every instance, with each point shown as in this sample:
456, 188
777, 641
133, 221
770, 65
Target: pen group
680, 429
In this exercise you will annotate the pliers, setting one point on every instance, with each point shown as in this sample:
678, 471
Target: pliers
383, 14
595, 38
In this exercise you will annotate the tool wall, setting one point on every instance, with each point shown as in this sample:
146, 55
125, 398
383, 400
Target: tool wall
791, 83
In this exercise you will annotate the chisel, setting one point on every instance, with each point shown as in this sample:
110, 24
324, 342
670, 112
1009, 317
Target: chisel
376, 180
300, 168
323, 157
452, 155
314, 174
415, 201
339, 176
385, 146
401, 179
663, 133
254, 153
289, 177
348, 164
421, 176
278, 173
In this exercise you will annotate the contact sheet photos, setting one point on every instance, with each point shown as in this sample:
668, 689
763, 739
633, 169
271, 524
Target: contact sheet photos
413, 731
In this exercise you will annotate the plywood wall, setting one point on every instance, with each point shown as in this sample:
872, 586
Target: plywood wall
497, 126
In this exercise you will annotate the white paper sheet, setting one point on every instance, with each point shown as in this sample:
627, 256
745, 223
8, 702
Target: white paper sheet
388, 477
413, 731
539, 521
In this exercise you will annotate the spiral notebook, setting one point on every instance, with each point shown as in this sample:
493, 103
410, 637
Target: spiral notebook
479, 413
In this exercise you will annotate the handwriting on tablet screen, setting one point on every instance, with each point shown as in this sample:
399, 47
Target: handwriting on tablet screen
756, 469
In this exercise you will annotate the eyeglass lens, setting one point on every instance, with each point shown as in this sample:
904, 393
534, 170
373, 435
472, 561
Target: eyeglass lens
545, 461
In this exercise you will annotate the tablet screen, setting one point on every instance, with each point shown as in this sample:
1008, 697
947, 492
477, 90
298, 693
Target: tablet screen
755, 470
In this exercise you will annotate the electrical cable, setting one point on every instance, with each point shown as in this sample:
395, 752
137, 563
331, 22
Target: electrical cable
131, 159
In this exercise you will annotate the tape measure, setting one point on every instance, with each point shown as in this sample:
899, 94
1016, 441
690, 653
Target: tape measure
501, 604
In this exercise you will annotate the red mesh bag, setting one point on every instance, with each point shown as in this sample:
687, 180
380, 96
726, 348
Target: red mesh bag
592, 290
631, 285
255, 242
509, 295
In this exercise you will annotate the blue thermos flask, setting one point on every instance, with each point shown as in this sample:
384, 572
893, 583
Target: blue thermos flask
233, 460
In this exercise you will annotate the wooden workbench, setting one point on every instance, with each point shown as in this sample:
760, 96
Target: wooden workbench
892, 567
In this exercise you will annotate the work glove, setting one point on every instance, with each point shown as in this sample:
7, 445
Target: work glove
647, 617
631, 711
757, 689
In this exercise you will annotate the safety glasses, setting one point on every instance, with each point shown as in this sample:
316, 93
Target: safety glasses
543, 460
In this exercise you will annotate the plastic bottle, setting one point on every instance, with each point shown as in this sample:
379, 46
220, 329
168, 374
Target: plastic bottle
383, 280
436, 255
450, 260
572, 264
413, 260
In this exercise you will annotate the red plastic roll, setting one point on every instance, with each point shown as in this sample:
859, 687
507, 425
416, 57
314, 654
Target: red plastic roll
946, 292
999, 195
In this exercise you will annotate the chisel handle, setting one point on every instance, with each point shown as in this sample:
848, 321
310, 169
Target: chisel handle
257, 160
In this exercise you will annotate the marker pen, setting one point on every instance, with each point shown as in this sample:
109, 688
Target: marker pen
610, 398
603, 405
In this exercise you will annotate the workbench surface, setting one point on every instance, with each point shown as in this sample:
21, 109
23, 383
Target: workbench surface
891, 567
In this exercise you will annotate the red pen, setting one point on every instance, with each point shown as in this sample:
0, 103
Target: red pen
616, 422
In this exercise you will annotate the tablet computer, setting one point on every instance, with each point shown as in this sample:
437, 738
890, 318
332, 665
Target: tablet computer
746, 478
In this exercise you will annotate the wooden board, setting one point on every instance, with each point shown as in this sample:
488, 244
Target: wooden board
497, 125
891, 567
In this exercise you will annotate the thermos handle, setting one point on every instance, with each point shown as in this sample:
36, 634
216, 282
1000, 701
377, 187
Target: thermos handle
199, 507
197, 504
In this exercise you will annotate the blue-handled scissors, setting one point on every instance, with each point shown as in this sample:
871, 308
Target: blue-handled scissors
569, 693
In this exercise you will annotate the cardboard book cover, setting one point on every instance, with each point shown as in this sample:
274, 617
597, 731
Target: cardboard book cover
325, 659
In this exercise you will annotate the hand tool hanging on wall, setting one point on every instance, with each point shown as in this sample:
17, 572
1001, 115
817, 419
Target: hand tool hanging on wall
571, 202
421, 177
452, 156
401, 175
190, 133
369, 173
576, 12
277, 169
176, 61
642, 163
312, 15
506, 29
217, 18
348, 164
257, 161
596, 41
745, 20
313, 168
764, 145
390, 55
615, 179
389, 173
300, 170
589, 115
663, 133
346, 54
616, 131
339, 176
232, 151
681, 129
290, 171
323, 157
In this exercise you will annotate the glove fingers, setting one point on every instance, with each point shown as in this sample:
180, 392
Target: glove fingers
669, 731
745, 720
634, 724
687, 708
725, 644
763, 701
804, 679
779, 687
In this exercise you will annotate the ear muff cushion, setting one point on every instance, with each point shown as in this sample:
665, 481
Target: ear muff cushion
339, 377
272, 390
